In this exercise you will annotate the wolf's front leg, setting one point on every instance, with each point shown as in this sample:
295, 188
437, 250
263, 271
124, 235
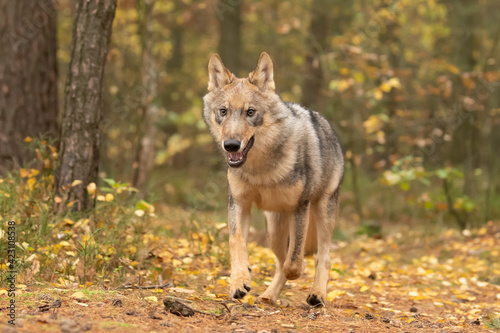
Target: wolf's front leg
239, 223
298, 231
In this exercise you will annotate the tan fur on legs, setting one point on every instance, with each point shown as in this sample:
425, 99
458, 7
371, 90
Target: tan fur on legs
326, 211
277, 228
298, 231
240, 266
312, 238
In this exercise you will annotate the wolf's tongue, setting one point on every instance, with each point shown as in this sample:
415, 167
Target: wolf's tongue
235, 156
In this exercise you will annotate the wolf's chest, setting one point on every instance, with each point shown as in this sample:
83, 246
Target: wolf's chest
277, 198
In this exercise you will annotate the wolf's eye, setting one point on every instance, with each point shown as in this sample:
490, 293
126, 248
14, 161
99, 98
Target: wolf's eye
223, 111
250, 112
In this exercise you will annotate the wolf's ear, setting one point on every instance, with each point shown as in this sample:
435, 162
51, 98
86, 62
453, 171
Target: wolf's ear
263, 76
218, 74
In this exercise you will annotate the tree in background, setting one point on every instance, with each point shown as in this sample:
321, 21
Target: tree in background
146, 151
28, 76
83, 106
229, 15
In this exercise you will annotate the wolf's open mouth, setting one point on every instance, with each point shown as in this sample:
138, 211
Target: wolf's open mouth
236, 160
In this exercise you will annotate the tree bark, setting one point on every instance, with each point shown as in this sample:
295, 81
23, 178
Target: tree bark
28, 76
229, 15
146, 150
465, 22
316, 45
81, 125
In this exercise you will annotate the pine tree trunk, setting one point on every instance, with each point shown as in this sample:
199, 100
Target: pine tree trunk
146, 151
316, 41
229, 14
28, 76
83, 106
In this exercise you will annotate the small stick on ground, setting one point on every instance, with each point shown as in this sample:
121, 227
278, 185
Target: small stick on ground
163, 286
180, 309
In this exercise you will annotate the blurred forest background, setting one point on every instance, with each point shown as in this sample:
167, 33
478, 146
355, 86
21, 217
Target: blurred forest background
412, 87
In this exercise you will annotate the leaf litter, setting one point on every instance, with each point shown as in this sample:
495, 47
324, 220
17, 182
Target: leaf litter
401, 283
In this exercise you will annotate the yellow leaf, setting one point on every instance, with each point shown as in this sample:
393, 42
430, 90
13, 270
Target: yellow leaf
34, 172
453, 69
109, 197
344, 71
138, 212
78, 294
359, 77
343, 85
28, 139
381, 137
372, 124
57, 200
385, 87
31, 183
151, 299
378, 94
3, 292
249, 299
364, 288
24, 173
91, 188
394, 83
334, 294
101, 198
222, 282
76, 182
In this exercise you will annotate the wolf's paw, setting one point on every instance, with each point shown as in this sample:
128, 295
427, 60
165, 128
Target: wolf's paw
315, 300
238, 292
240, 282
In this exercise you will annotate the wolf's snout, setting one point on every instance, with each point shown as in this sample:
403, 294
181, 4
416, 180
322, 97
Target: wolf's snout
232, 145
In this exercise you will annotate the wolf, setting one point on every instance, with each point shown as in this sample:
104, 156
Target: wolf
285, 159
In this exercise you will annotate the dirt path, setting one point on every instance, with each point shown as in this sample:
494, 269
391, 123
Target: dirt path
449, 283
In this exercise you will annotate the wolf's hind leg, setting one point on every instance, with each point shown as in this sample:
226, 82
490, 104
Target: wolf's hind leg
326, 212
277, 229
298, 232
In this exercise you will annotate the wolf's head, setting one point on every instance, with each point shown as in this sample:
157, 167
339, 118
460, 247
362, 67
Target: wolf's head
238, 110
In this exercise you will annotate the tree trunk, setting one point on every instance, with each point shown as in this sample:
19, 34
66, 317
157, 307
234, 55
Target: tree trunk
81, 125
466, 23
393, 51
229, 15
146, 150
316, 44
28, 76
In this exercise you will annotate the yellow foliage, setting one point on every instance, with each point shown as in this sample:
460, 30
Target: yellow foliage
372, 124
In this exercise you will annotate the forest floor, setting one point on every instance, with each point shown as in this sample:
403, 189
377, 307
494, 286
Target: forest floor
448, 282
